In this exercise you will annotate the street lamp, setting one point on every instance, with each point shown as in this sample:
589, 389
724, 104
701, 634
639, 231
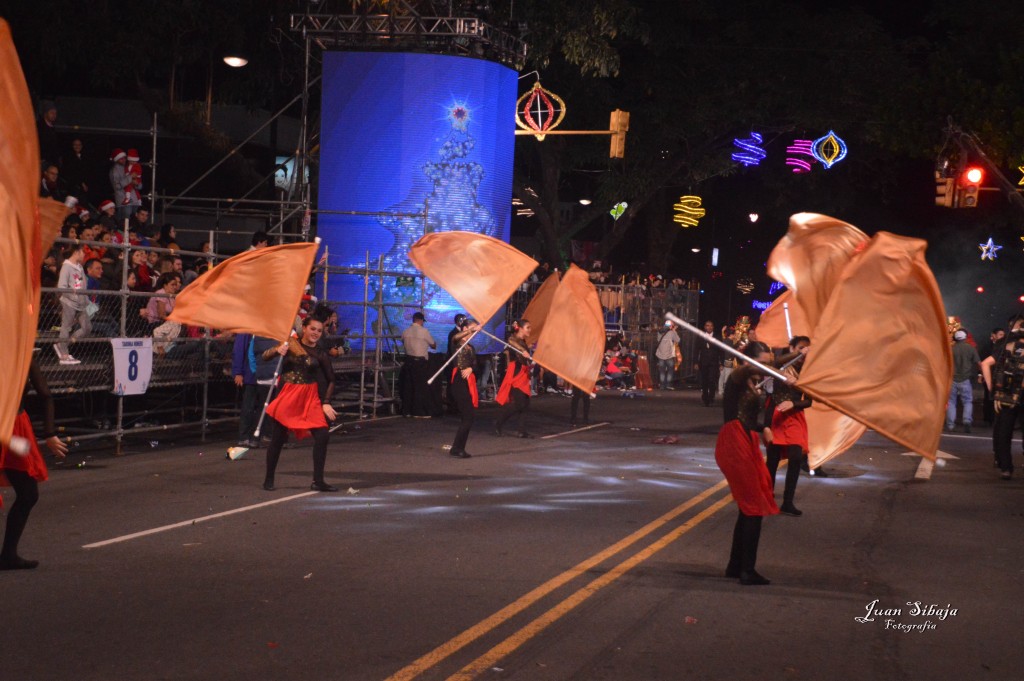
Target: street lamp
235, 61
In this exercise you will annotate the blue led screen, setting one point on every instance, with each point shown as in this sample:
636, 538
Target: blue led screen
423, 143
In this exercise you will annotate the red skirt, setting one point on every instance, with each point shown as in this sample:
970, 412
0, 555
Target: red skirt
298, 408
514, 380
790, 428
738, 455
32, 462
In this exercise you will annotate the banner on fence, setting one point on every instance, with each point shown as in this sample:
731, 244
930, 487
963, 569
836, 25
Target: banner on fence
133, 365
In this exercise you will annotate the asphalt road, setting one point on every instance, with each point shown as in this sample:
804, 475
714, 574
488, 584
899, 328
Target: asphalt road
589, 555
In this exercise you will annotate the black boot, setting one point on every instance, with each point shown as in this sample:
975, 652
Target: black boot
751, 536
792, 477
732, 570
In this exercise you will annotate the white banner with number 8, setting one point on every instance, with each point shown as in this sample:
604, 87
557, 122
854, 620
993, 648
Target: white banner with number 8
133, 365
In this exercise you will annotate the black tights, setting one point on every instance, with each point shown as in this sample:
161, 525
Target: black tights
517, 406
279, 435
745, 538
26, 491
794, 456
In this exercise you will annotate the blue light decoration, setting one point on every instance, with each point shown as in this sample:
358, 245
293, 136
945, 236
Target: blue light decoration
750, 153
795, 152
411, 144
618, 209
829, 150
989, 250
762, 305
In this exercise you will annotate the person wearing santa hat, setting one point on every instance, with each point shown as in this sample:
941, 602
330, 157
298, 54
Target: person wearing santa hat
119, 180
106, 217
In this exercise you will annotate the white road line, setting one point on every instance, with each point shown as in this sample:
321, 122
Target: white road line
194, 521
576, 430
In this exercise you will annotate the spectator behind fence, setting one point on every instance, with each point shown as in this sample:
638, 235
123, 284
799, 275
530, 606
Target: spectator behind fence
159, 307
119, 181
101, 308
259, 240
73, 305
106, 217
49, 149
167, 238
50, 186
74, 169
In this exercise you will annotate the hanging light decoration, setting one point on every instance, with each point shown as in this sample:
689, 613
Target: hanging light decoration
618, 209
796, 153
688, 211
750, 153
830, 149
539, 110
989, 249
745, 285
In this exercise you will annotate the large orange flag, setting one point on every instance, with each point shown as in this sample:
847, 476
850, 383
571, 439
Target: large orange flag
537, 311
773, 329
20, 240
810, 259
572, 344
477, 270
255, 292
880, 352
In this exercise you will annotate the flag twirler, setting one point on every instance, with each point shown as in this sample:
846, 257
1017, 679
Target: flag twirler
573, 340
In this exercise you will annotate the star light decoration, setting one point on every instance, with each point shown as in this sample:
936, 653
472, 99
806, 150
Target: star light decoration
829, 150
989, 249
688, 211
750, 153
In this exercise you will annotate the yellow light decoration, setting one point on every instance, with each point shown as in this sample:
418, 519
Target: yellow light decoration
688, 211
1021, 169
539, 110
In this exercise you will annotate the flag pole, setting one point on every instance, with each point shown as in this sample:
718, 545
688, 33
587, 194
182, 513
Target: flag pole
725, 346
789, 327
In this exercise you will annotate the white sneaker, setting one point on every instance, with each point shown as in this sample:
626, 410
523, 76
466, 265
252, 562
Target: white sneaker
68, 359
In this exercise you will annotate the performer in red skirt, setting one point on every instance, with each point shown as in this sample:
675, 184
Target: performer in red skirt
515, 388
302, 406
789, 426
738, 455
24, 472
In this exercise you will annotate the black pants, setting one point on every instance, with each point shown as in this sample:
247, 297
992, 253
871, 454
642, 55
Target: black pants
26, 491
1002, 435
253, 398
517, 405
414, 390
577, 397
708, 383
746, 535
279, 435
794, 456
459, 392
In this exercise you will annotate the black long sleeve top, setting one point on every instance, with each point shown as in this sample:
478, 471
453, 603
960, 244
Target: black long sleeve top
303, 364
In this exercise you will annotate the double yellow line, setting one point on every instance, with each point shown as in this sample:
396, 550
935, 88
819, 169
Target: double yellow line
498, 652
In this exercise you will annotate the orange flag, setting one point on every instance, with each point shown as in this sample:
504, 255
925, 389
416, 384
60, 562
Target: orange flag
772, 328
572, 344
20, 240
880, 352
810, 259
538, 309
477, 270
255, 292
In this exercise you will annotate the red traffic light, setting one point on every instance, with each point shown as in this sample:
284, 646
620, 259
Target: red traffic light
974, 175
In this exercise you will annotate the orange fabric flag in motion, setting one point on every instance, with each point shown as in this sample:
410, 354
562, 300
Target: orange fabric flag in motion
880, 352
255, 292
477, 270
772, 327
811, 257
539, 307
20, 240
572, 344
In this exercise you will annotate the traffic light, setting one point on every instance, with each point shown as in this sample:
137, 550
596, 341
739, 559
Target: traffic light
968, 188
944, 190
619, 125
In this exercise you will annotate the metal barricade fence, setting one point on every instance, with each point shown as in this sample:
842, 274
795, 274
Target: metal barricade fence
190, 383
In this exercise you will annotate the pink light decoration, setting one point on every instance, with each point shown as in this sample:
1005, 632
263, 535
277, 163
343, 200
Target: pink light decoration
797, 149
